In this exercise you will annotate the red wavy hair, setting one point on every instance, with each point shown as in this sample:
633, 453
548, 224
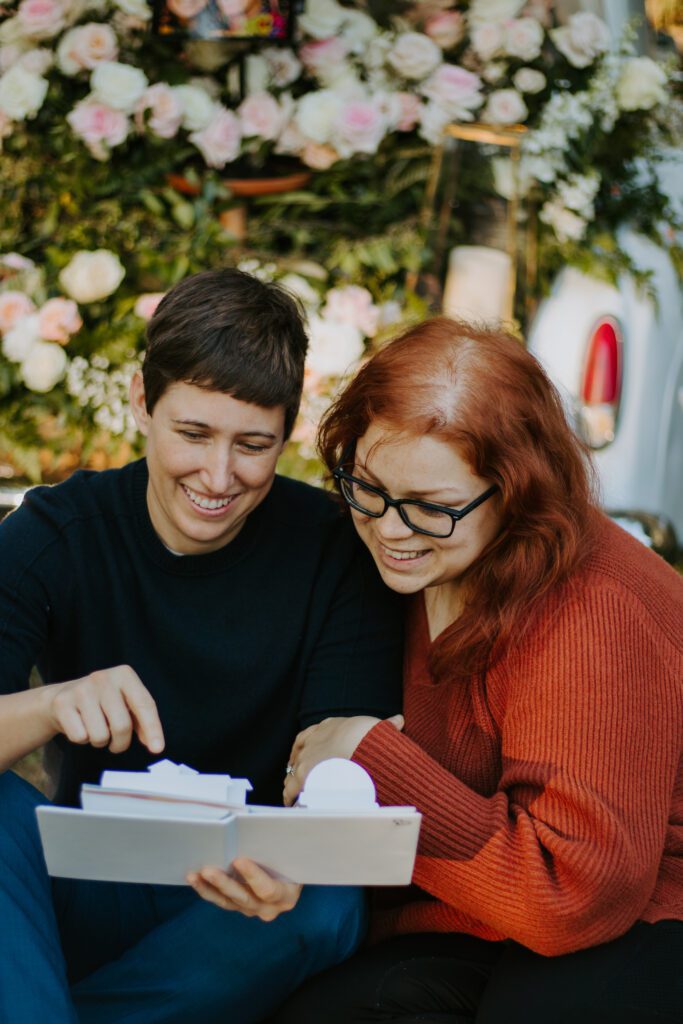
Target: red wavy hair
481, 391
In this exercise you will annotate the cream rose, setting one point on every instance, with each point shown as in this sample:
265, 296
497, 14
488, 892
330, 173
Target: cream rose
414, 55
22, 93
317, 113
58, 319
118, 85
283, 64
641, 84
219, 143
21, 338
487, 40
135, 8
85, 47
523, 38
482, 12
44, 366
146, 305
529, 80
583, 39
198, 107
41, 19
322, 19
36, 61
505, 106
358, 30
352, 305
13, 306
92, 275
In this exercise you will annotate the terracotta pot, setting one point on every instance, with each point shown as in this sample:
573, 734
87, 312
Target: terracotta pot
182, 185
268, 186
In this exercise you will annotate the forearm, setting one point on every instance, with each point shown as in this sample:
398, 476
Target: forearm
26, 723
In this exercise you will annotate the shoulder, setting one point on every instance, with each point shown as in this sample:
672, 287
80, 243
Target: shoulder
295, 503
87, 495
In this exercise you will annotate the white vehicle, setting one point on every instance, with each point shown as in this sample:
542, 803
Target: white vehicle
617, 359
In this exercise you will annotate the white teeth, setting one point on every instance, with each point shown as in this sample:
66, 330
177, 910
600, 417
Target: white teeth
209, 503
404, 556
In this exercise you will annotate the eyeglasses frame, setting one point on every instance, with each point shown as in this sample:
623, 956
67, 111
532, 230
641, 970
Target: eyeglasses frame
455, 515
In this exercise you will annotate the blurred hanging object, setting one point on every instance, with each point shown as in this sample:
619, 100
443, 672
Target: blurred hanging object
667, 16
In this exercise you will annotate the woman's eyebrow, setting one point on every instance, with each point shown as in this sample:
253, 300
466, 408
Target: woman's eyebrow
416, 494
243, 433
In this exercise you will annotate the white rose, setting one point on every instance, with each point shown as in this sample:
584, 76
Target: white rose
85, 47
118, 85
44, 366
197, 107
37, 61
10, 54
21, 93
334, 347
524, 38
135, 8
483, 11
20, 339
641, 84
299, 287
505, 106
433, 119
583, 39
322, 19
317, 113
529, 80
414, 55
283, 64
91, 276
358, 31
11, 31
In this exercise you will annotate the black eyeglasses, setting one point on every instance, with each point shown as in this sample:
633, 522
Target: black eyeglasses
421, 516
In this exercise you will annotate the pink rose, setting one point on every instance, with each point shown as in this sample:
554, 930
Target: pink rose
352, 305
323, 54
446, 29
319, 156
13, 306
58, 319
260, 114
359, 128
41, 19
409, 111
219, 143
455, 90
146, 305
99, 126
166, 109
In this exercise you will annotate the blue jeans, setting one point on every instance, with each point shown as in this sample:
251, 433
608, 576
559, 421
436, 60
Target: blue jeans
78, 952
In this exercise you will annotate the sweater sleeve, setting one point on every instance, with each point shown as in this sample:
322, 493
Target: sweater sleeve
564, 854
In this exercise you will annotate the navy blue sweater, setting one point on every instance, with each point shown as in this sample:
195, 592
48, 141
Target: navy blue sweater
287, 624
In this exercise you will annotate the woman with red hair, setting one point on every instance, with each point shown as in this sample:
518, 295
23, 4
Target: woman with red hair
543, 703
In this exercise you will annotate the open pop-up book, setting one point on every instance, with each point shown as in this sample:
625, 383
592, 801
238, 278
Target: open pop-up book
157, 825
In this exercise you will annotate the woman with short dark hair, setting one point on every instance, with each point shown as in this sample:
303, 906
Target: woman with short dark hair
543, 702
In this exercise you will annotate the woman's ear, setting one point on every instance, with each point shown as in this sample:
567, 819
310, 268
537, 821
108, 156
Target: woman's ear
137, 403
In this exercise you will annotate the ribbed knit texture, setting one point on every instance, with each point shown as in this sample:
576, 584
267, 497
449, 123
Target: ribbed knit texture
551, 788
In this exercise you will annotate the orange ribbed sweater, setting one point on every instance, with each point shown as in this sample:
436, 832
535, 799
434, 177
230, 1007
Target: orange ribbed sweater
552, 788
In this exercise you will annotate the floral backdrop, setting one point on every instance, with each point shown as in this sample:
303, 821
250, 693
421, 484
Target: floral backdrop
123, 154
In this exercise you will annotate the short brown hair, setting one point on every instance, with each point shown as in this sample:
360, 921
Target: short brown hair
481, 391
228, 331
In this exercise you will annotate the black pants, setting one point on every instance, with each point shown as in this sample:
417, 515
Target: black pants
458, 979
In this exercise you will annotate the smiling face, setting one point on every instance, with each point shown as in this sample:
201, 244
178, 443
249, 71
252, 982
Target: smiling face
211, 461
428, 469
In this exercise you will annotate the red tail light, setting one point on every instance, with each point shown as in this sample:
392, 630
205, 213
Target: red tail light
601, 384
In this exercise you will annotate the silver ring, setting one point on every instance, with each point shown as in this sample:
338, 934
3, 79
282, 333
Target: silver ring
290, 770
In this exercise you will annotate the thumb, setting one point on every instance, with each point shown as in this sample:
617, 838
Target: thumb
398, 721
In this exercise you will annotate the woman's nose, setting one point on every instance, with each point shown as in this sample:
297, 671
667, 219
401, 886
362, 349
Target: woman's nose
390, 526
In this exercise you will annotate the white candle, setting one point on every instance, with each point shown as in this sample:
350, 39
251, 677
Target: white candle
478, 283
